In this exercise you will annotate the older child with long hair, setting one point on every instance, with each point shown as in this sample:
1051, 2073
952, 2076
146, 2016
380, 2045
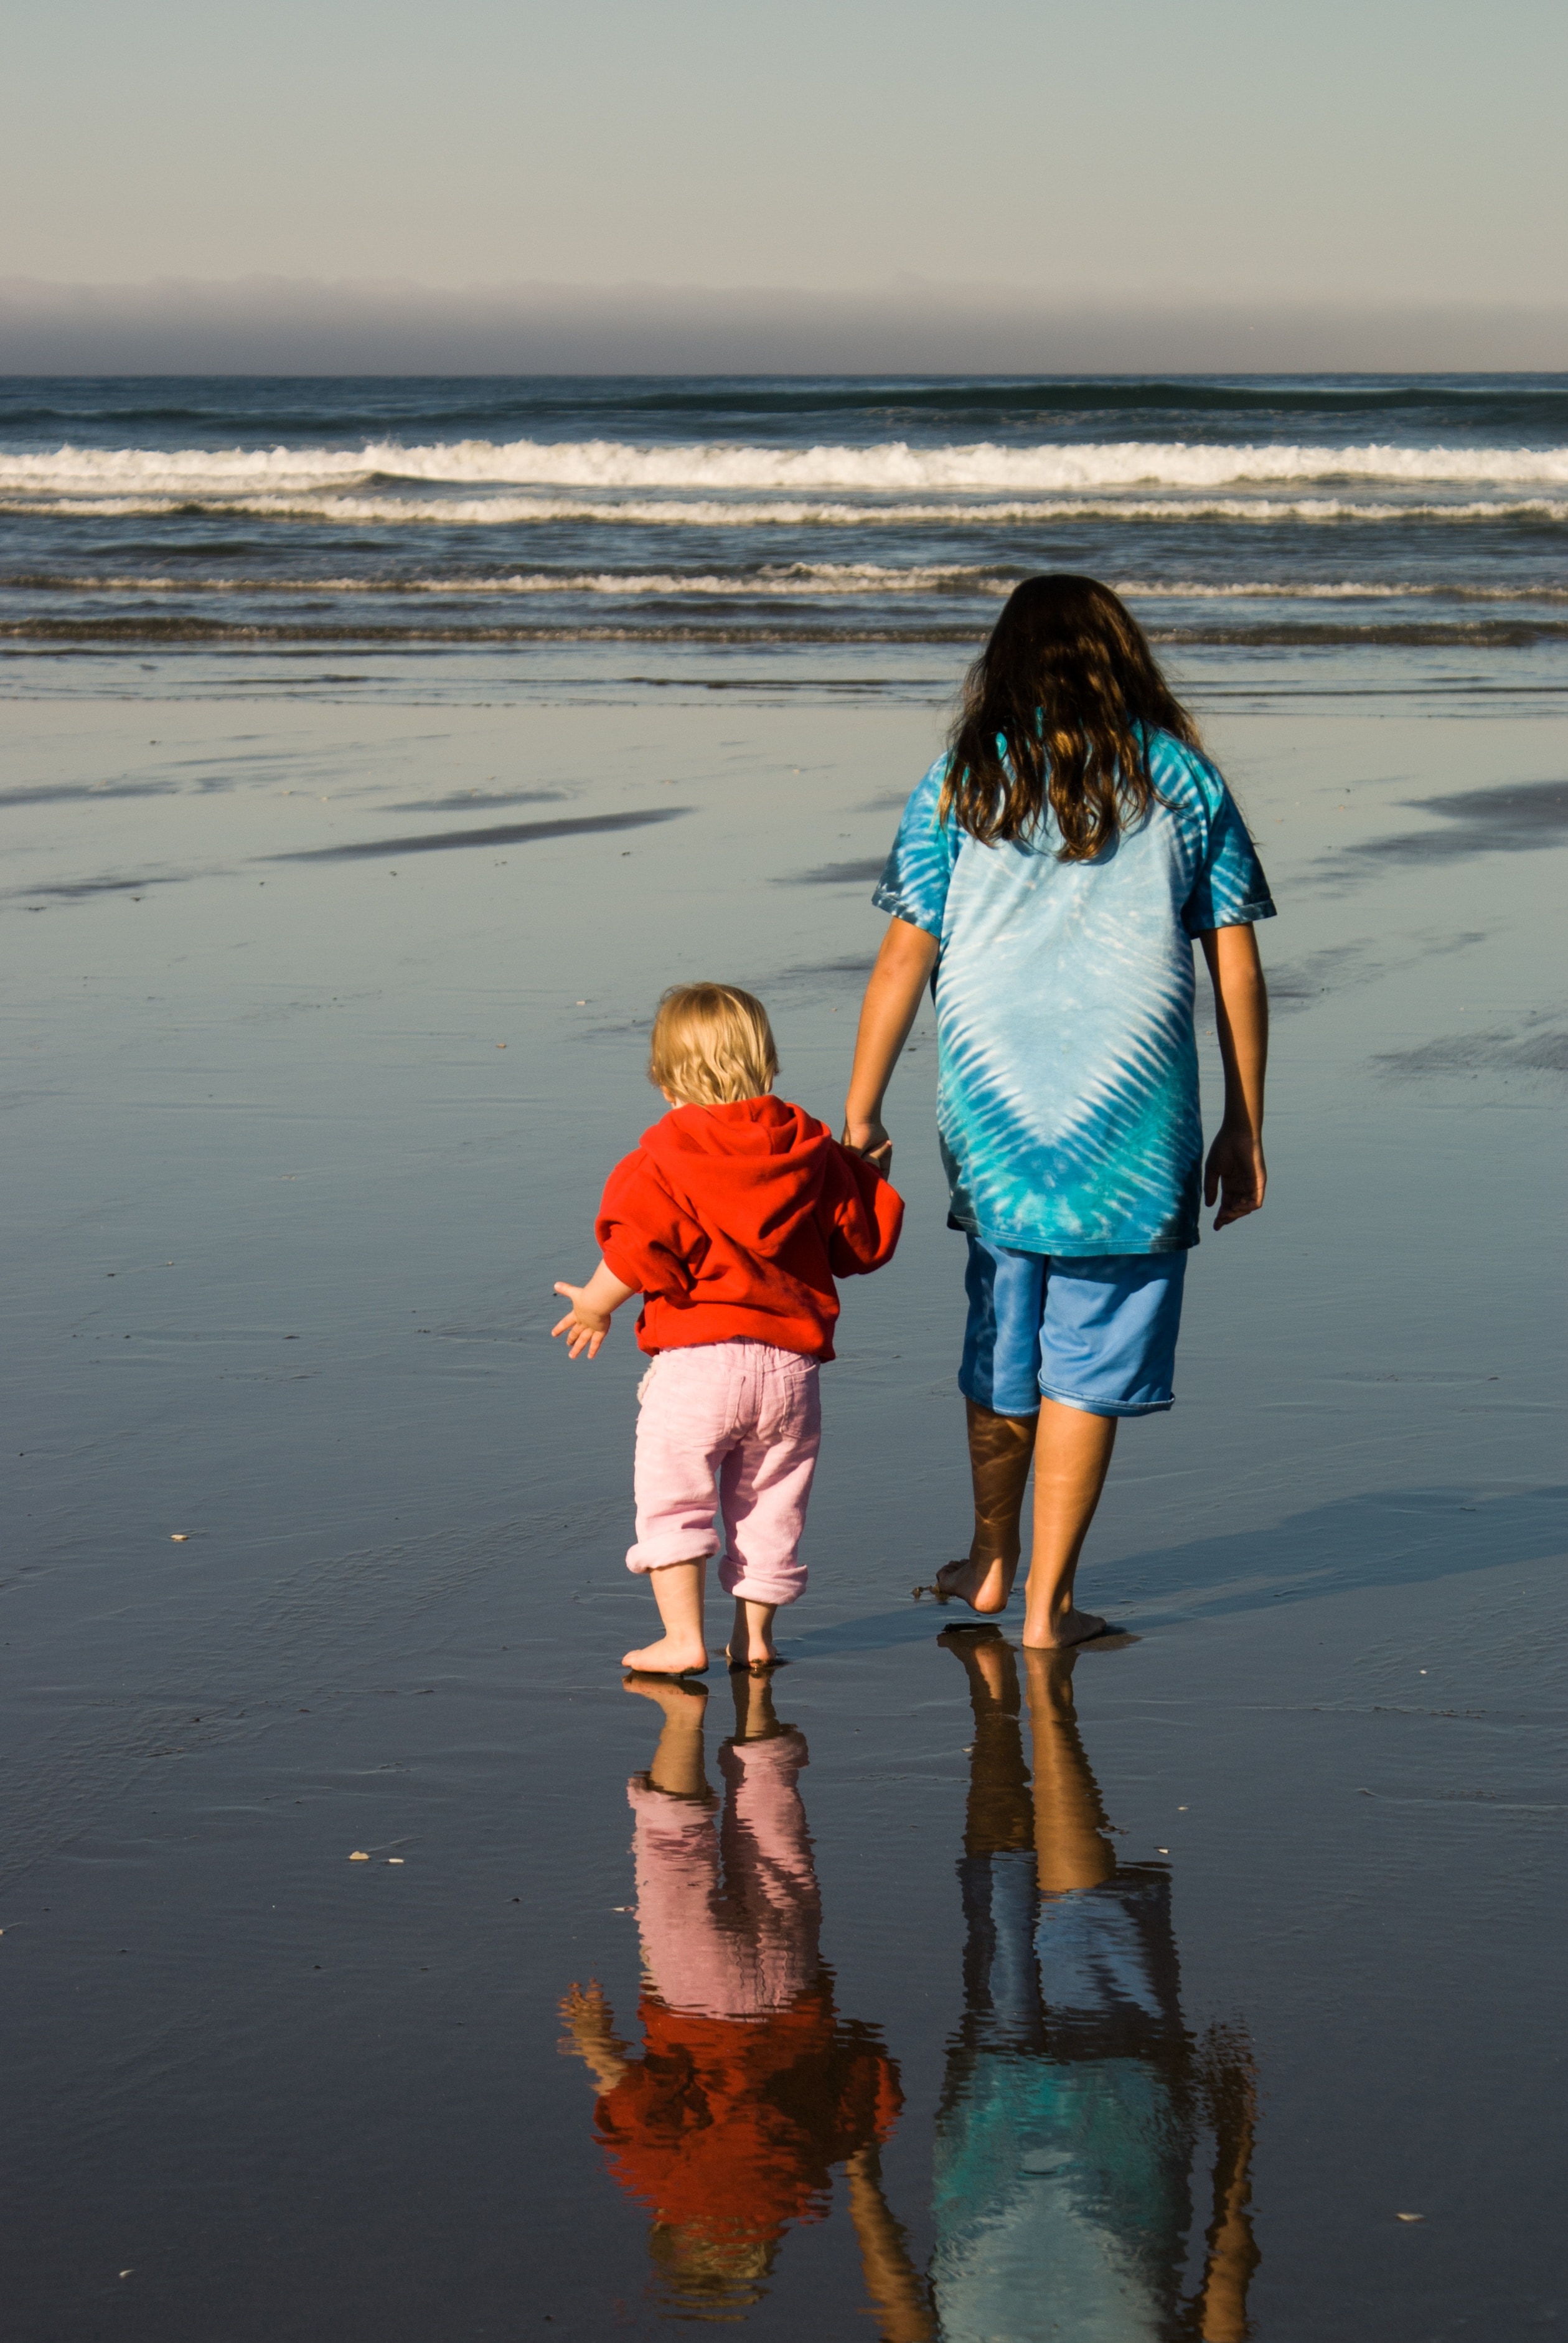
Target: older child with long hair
732, 1219
1050, 877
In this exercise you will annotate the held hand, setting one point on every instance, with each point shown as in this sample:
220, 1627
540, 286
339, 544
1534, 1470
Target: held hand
1235, 1173
586, 2016
584, 1328
870, 1139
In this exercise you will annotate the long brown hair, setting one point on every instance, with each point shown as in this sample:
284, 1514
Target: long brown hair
1051, 713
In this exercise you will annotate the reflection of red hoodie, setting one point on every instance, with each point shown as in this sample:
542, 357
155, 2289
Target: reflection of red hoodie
735, 2125
732, 1222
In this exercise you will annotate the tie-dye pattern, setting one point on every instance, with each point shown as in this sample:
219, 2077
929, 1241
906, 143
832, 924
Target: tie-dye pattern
1067, 1100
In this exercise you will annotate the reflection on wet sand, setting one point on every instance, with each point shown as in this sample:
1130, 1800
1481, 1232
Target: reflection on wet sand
749, 2087
1070, 2115
1074, 2098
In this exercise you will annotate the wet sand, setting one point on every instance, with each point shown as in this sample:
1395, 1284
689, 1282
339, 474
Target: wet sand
309, 1103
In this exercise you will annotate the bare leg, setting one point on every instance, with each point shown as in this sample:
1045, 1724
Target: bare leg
678, 1590
1001, 1449
1071, 1457
1072, 1849
751, 1637
999, 1814
676, 1764
756, 1719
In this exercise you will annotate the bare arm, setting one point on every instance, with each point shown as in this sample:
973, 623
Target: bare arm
587, 1322
1235, 1172
1218, 2314
590, 2034
893, 991
891, 2280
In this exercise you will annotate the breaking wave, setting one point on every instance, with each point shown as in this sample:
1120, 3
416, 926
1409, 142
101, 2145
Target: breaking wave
502, 511
239, 635
795, 581
1293, 512
893, 468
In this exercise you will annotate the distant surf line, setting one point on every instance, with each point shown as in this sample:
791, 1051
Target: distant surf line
509, 512
890, 467
800, 581
237, 635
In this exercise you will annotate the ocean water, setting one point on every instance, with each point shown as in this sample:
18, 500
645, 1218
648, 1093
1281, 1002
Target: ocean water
373, 756
1284, 516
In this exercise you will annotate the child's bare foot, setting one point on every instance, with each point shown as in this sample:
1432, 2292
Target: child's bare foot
751, 1644
676, 1765
672, 1655
1070, 1626
984, 1585
681, 1700
682, 1649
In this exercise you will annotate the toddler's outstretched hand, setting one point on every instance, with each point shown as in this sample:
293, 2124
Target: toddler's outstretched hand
584, 1329
587, 1322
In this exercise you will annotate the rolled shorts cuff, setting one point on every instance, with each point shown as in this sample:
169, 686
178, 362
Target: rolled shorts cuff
972, 1387
1091, 1406
658, 1553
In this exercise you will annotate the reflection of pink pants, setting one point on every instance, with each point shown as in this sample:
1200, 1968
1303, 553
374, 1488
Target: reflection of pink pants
749, 1945
749, 1418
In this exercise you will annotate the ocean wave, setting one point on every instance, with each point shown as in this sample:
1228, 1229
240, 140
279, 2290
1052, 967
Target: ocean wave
144, 629
802, 580
893, 468
502, 511
443, 408
262, 412
793, 581
1325, 591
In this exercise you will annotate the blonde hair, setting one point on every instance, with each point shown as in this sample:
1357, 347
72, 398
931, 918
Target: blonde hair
711, 1045
710, 2274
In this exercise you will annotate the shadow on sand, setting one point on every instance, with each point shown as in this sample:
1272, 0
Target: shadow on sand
1397, 1537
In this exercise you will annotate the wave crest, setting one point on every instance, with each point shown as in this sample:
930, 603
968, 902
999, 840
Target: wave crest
502, 511
893, 468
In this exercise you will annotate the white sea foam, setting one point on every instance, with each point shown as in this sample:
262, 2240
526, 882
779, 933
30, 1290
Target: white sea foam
890, 469
498, 511
1345, 590
812, 580
797, 581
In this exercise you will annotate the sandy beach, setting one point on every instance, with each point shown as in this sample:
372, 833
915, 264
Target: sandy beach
324, 1022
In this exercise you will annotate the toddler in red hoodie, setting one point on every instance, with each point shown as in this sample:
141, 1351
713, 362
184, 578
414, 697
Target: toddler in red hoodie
732, 1219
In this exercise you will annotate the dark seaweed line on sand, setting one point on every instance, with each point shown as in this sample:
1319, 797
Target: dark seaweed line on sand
506, 833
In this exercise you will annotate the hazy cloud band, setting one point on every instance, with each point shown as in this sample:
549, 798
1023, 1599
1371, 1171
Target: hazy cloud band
265, 325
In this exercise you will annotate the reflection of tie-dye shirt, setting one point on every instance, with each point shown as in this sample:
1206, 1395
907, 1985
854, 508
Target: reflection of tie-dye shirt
1064, 2135
1067, 1100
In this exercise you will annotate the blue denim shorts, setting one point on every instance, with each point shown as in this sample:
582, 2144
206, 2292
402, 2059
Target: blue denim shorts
1098, 1333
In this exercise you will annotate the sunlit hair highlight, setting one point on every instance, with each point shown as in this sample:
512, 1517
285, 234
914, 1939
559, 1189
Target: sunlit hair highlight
1051, 714
711, 1045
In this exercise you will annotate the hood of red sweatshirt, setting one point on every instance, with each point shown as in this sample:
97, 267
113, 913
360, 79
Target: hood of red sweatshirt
751, 1171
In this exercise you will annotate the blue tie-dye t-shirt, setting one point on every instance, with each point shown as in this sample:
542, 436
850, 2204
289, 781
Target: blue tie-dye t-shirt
1067, 1097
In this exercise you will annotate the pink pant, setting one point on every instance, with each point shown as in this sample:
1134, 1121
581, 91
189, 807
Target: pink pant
749, 1418
730, 1922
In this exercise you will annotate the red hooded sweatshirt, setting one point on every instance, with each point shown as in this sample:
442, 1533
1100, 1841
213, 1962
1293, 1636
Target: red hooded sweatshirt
732, 1222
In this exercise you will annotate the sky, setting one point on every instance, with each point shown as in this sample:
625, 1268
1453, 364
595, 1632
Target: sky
1357, 152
